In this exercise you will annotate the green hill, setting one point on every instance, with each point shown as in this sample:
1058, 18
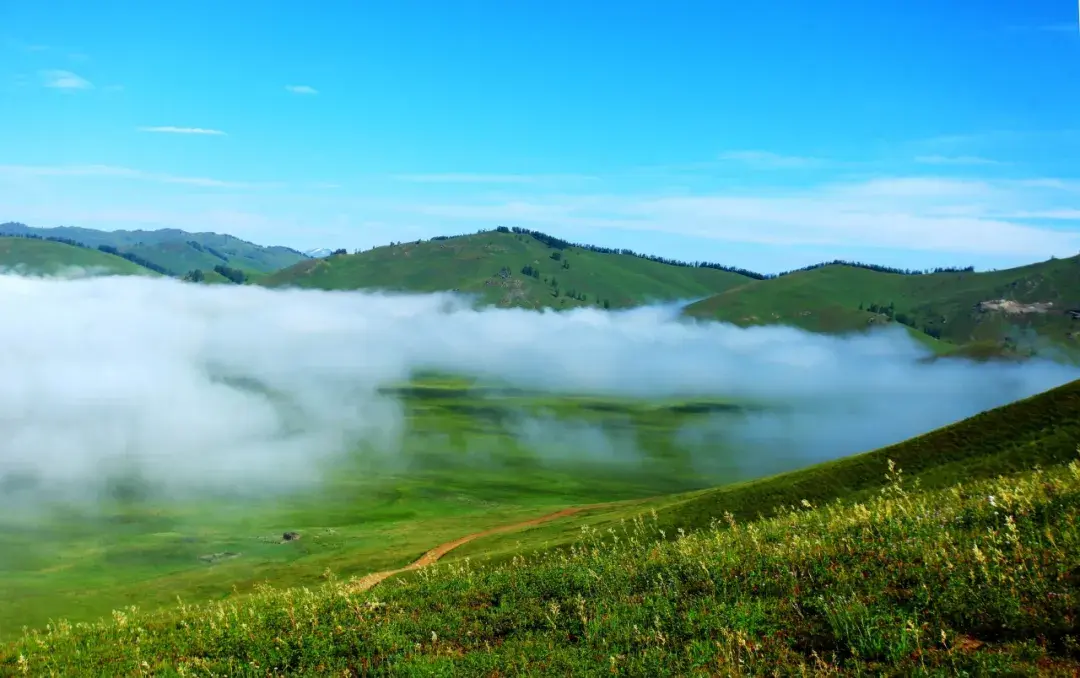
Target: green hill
1040, 430
938, 565
511, 269
173, 250
1040, 299
46, 257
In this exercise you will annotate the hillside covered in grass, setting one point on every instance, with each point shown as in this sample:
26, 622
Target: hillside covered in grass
515, 269
1007, 308
944, 553
45, 257
980, 577
172, 251
1041, 430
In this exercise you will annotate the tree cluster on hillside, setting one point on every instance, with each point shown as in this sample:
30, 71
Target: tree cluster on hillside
234, 274
560, 244
889, 312
879, 269
136, 259
207, 249
195, 275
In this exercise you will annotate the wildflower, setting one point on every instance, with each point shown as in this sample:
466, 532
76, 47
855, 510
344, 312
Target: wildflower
991, 499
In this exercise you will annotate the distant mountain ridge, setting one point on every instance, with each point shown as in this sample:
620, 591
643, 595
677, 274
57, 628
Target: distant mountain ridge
172, 251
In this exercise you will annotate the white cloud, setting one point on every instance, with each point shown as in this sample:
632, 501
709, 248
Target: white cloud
301, 89
280, 382
183, 130
65, 80
480, 178
769, 160
907, 213
108, 171
1060, 28
955, 160
465, 178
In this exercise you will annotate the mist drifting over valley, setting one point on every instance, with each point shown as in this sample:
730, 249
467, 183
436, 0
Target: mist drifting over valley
243, 387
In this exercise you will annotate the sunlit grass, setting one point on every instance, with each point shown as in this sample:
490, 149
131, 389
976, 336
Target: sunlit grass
979, 577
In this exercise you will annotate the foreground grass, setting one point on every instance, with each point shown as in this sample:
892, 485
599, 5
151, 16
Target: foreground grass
979, 577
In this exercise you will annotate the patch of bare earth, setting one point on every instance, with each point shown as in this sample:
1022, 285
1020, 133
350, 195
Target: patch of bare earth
367, 581
1014, 307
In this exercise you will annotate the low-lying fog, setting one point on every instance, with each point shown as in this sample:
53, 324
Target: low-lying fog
236, 386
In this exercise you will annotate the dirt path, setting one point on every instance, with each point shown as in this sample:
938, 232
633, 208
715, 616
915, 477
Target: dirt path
429, 558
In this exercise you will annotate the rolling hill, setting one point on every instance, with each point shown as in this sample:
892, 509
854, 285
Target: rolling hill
176, 252
45, 257
995, 309
519, 269
945, 554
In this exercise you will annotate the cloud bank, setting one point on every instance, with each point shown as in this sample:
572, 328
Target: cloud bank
222, 386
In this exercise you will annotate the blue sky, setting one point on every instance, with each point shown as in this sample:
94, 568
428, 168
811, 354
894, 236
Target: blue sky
767, 134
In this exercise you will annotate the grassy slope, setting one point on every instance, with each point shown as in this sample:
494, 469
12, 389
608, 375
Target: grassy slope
471, 264
47, 258
978, 578
169, 248
827, 300
462, 467
1043, 429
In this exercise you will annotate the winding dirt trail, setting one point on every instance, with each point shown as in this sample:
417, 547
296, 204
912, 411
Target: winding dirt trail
429, 558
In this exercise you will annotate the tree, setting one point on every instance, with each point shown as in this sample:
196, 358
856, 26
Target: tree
234, 274
195, 275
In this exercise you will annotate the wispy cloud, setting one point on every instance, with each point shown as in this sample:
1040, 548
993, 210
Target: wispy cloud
955, 160
301, 89
465, 178
506, 179
769, 160
109, 171
1059, 28
904, 213
183, 130
64, 80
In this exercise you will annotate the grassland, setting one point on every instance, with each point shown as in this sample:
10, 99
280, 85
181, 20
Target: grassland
174, 250
43, 257
839, 298
469, 459
463, 475
1041, 430
490, 265
981, 577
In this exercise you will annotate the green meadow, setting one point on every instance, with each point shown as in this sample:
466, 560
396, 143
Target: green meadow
469, 457
953, 553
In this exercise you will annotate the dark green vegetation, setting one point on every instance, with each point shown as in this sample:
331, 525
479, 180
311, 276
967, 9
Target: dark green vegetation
171, 251
890, 571
1041, 304
470, 458
45, 257
511, 269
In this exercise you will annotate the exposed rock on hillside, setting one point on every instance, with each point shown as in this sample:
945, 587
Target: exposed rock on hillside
1014, 307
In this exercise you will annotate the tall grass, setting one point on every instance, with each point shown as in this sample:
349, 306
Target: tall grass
979, 577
